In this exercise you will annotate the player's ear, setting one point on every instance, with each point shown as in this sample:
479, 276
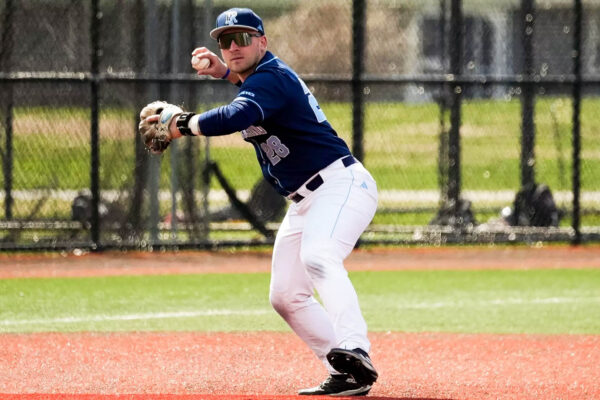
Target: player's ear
263, 42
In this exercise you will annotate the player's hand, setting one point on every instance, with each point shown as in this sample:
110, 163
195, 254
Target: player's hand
217, 67
157, 125
173, 131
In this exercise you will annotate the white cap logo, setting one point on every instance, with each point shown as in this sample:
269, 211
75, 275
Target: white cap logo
230, 17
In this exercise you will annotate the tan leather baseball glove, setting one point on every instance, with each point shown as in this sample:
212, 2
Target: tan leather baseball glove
156, 135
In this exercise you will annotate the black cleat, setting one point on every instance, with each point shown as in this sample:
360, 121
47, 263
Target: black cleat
338, 385
355, 363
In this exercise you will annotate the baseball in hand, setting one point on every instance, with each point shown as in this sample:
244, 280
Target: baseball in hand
200, 63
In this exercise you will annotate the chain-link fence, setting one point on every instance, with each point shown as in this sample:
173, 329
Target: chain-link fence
476, 117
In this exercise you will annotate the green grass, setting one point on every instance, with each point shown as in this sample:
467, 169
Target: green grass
524, 301
401, 146
401, 150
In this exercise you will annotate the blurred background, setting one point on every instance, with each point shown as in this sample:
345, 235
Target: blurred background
477, 118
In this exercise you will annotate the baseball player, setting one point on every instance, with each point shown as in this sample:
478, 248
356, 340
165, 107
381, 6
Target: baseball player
333, 197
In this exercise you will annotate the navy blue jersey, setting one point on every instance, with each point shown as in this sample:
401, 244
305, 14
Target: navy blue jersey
277, 113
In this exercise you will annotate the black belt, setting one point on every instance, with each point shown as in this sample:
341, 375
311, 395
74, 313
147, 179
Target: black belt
317, 181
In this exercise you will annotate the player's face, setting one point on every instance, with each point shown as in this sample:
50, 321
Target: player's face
243, 53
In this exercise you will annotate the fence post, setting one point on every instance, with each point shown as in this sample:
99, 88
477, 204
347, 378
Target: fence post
174, 50
454, 211
95, 149
134, 226
151, 38
6, 107
443, 101
528, 97
358, 105
576, 120
456, 49
205, 174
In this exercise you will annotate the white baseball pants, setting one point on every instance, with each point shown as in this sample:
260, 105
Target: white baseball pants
315, 237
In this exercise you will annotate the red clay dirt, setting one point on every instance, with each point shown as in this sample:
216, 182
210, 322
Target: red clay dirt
272, 365
411, 365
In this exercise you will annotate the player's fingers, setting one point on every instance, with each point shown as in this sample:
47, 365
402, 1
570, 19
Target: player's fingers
217, 67
203, 52
198, 50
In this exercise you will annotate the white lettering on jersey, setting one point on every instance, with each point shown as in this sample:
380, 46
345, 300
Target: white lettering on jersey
253, 131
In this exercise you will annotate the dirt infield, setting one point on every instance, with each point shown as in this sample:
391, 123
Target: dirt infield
273, 365
425, 366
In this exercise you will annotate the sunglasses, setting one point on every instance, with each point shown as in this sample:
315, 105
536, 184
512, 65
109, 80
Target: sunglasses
242, 39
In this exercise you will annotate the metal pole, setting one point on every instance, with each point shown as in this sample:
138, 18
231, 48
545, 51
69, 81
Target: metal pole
8, 161
192, 145
7, 108
358, 36
141, 155
174, 49
154, 161
206, 25
576, 120
456, 49
528, 97
95, 148
443, 107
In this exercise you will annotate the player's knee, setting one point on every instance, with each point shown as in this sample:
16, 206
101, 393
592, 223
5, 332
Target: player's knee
285, 303
280, 302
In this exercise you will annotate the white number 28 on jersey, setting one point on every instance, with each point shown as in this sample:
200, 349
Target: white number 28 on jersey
274, 149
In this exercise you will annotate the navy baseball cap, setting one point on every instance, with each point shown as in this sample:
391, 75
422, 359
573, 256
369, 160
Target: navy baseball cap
237, 18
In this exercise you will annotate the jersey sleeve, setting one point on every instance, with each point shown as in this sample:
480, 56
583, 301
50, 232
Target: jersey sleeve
261, 96
266, 89
234, 117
